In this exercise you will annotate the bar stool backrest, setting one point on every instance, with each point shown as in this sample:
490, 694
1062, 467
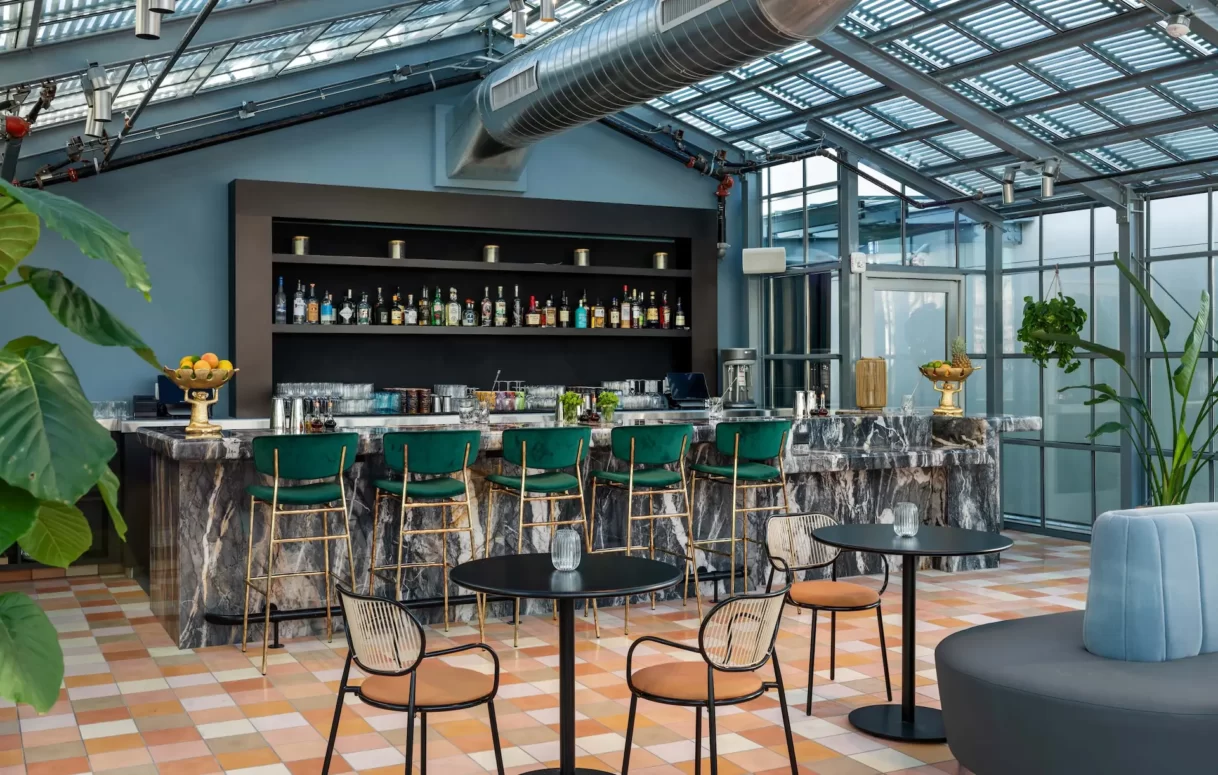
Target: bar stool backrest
384, 637
759, 439
547, 448
654, 445
431, 452
789, 539
306, 456
738, 634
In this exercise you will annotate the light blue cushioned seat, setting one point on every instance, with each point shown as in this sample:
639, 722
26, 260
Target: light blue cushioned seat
1153, 591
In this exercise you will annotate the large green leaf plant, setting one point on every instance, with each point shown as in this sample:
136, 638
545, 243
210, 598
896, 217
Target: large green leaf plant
1170, 456
52, 451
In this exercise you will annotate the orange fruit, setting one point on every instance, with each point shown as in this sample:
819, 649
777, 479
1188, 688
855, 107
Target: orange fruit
202, 369
212, 359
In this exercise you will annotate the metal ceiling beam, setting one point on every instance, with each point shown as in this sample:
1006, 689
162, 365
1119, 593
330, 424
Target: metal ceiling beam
31, 35
1122, 134
165, 115
1088, 33
911, 27
68, 57
902, 172
1119, 85
960, 110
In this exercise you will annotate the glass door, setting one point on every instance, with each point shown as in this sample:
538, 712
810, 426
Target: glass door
909, 320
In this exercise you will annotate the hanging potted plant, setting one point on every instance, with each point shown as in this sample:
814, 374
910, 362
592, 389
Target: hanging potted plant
1058, 315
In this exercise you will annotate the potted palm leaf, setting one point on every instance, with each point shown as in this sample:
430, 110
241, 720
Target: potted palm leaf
1170, 455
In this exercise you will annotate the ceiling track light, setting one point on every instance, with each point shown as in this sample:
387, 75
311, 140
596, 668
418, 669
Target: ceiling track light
147, 23
93, 127
1048, 176
1179, 25
520, 24
162, 6
98, 95
547, 10
1008, 185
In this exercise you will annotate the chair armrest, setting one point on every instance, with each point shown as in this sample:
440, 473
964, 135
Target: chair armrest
883, 559
471, 647
652, 639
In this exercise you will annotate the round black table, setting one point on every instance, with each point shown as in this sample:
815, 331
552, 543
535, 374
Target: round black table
533, 576
908, 722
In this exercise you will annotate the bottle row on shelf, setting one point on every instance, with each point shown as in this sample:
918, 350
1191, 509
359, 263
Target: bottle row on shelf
632, 310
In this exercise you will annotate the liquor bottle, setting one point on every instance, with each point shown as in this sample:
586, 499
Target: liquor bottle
437, 309
581, 312
533, 318
598, 315
653, 312
312, 307
380, 313
410, 313
679, 321
500, 309
487, 309
564, 312
346, 314
517, 309
281, 304
327, 309
469, 317
298, 305
454, 309
395, 310
625, 314
665, 312
424, 314
551, 314
615, 314
363, 313
636, 309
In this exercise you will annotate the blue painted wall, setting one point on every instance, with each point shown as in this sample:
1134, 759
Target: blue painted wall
177, 212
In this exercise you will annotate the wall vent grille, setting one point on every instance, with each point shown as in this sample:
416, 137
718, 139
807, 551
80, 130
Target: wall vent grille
674, 12
514, 87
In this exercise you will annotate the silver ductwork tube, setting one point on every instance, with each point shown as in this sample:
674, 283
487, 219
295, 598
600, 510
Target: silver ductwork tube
631, 54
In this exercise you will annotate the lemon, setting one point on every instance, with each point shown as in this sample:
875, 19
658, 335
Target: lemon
225, 365
186, 362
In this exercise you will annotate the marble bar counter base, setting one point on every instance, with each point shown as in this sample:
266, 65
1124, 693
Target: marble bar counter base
853, 468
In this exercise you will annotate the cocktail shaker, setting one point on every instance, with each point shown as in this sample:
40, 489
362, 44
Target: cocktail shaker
801, 405
296, 417
279, 414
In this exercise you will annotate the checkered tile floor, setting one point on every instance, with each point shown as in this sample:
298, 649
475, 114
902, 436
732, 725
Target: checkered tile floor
133, 704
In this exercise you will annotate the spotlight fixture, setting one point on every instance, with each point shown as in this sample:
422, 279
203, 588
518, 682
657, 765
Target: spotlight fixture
1008, 185
162, 6
93, 127
520, 24
1048, 176
1178, 25
547, 10
96, 87
147, 23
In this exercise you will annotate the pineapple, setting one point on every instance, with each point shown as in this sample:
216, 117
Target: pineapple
960, 359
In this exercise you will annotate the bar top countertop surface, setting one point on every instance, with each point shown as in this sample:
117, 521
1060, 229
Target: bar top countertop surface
833, 443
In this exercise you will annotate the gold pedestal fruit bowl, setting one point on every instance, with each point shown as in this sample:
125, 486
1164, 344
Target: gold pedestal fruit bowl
948, 380
202, 388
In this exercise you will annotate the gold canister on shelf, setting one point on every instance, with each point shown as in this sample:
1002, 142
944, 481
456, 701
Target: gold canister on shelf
583, 256
871, 383
490, 254
397, 248
659, 261
300, 246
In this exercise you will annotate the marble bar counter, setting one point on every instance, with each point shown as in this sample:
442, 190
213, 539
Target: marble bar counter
852, 467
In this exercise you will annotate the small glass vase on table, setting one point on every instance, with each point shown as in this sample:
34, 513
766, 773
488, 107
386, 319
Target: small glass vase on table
567, 550
905, 522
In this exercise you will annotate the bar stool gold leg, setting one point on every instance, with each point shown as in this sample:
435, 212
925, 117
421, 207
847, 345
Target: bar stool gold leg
693, 564
651, 526
401, 545
249, 558
325, 548
629, 552
270, 549
376, 513
553, 530
519, 550
588, 538
444, 561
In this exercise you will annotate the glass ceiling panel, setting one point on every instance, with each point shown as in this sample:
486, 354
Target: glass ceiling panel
1004, 26
906, 113
874, 15
1143, 49
1200, 92
1138, 106
842, 79
760, 106
970, 182
1010, 85
941, 46
1070, 121
10, 21
1073, 68
1191, 144
724, 115
1067, 14
966, 144
861, 124
773, 140
1131, 155
801, 91
69, 103
698, 123
64, 19
918, 154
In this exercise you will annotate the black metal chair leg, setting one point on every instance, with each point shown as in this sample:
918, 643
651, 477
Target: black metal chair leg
811, 665
410, 727
698, 740
490, 711
832, 644
423, 743
338, 711
634, 704
786, 718
710, 718
879, 620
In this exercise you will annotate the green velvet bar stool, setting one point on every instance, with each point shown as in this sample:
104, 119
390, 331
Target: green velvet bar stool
551, 450
751, 445
436, 455
301, 458
654, 447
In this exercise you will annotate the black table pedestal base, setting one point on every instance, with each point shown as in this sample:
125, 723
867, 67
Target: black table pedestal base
885, 721
576, 771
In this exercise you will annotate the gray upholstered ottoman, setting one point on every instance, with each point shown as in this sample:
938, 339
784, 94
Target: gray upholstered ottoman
1024, 697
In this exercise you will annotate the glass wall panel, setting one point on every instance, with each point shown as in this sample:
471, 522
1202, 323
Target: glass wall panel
1067, 237
1075, 283
1179, 224
820, 170
930, 237
910, 328
1176, 287
1021, 391
1021, 480
790, 313
1066, 418
1107, 482
974, 313
1161, 398
786, 177
1108, 373
974, 392
1106, 306
787, 226
1015, 287
822, 225
1107, 234
1068, 486
1021, 243
970, 238
880, 229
